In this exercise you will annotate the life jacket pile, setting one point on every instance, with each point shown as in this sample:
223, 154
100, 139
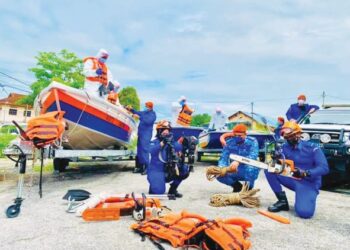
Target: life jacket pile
45, 128
193, 230
102, 79
185, 116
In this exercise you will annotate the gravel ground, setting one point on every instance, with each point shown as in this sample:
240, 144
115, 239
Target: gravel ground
44, 224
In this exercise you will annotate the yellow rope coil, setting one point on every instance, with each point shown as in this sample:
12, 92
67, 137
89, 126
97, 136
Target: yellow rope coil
245, 197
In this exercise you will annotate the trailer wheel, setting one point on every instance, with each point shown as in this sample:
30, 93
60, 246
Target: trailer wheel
60, 164
13, 211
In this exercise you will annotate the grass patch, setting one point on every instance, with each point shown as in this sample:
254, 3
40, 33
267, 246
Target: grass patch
5, 139
210, 158
48, 167
133, 144
8, 129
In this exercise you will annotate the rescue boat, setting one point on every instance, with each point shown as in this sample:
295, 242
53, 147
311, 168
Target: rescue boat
209, 141
186, 131
93, 123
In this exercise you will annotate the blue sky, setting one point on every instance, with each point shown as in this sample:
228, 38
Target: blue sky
217, 53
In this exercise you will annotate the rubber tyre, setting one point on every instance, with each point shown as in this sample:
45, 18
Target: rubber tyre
199, 157
60, 164
13, 211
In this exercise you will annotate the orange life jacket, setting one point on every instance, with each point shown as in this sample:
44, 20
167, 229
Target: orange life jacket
46, 128
96, 64
185, 116
187, 229
112, 97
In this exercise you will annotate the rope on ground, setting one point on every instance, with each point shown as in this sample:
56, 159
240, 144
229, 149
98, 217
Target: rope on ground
245, 197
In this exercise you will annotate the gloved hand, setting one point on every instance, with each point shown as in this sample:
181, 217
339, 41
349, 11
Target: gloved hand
300, 173
214, 172
99, 71
167, 139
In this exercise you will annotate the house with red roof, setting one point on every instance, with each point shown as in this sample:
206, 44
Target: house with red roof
10, 109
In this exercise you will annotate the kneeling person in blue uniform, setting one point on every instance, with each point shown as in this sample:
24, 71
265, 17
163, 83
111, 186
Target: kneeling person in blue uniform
164, 166
242, 145
310, 164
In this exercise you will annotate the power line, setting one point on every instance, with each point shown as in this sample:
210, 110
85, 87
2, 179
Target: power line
14, 78
9, 86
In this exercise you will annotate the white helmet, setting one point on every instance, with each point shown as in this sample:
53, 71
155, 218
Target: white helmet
182, 98
218, 110
102, 53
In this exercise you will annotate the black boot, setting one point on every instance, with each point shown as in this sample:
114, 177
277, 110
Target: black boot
237, 187
144, 170
281, 204
173, 191
138, 166
137, 170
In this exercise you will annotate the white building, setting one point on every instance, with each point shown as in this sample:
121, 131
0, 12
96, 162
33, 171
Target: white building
10, 110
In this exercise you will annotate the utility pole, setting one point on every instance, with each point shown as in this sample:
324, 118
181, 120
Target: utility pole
252, 109
323, 98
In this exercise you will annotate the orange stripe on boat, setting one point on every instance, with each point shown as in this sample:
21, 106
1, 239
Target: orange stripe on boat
87, 108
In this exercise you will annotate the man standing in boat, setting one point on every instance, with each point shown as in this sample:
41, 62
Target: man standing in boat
97, 74
185, 116
300, 109
147, 118
243, 145
218, 120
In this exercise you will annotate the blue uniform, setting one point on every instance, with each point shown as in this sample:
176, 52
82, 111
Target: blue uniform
306, 156
156, 171
277, 131
144, 133
295, 111
250, 149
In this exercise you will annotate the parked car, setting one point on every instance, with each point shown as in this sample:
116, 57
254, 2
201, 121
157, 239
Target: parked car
330, 128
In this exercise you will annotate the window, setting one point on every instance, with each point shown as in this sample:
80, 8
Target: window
12, 111
29, 113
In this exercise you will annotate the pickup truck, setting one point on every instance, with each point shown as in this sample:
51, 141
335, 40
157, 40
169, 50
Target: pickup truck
330, 128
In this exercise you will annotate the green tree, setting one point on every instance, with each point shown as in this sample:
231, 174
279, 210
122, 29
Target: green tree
128, 96
64, 67
200, 120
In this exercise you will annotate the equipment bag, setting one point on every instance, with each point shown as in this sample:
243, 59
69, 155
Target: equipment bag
45, 128
186, 229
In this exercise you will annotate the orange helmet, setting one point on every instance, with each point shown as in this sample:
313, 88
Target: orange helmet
302, 97
240, 129
149, 105
163, 124
290, 129
280, 119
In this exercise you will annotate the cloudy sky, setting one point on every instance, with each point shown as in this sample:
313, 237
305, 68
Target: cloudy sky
225, 53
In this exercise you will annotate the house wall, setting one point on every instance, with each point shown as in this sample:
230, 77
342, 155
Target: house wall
6, 117
247, 120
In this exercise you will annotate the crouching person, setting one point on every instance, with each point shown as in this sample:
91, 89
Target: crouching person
164, 167
243, 145
310, 164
